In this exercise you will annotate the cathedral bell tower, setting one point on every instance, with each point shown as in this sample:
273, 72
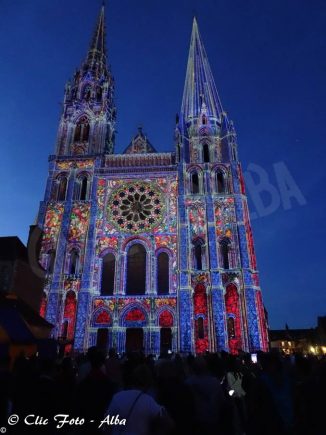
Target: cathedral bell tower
219, 295
88, 117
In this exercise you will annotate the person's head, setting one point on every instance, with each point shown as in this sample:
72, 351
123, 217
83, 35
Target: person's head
96, 357
233, 364
167, 370
199, 366
142, 377
112, 353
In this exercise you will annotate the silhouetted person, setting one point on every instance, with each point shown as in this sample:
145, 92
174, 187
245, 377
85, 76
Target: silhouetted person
94, 392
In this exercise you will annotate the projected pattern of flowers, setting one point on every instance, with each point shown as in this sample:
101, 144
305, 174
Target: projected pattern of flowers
136, 207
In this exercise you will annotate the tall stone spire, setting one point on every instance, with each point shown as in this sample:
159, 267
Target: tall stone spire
87, 125
200, 93
96, 56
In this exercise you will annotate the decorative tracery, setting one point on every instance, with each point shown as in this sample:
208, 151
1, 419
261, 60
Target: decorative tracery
166, 319
136, 207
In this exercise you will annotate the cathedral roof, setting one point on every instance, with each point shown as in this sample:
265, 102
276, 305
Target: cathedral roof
200, 93
139, 144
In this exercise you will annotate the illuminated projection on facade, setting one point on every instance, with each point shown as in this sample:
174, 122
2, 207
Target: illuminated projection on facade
146, 250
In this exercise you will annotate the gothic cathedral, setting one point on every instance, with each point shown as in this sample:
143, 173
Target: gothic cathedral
145, 250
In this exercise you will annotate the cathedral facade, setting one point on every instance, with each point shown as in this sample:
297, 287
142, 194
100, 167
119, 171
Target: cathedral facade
146, 250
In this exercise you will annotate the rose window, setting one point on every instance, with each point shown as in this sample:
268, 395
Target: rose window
136, 207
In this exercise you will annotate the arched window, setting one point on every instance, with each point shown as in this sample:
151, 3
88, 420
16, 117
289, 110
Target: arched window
81, 188
220, 182
50, 261
77, 132
82, 130
206, 153
85, 133
108, 274
204, 120
200, 328
62, 189
98, 94
225, 248
163, 274
74, 262
194, 182
136, 270
198, 254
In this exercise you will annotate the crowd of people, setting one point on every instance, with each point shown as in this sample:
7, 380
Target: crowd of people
173, 394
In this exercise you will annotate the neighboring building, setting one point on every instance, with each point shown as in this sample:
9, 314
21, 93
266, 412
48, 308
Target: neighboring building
149, 250
18, 276
22, 329
22, 280
312, 340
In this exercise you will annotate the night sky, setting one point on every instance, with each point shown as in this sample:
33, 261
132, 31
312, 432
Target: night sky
269, 63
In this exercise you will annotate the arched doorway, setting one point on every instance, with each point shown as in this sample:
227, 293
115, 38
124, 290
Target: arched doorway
134, 339
135, 320
166, 323
102, 338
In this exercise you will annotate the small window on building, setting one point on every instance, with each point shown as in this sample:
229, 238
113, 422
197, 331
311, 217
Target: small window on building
220, 182
163, 273
206, 153
98, 94
198, 254
82, 130
225, 248
74, 262
83, 188
62, 189
200, 328
194, 180
108, 275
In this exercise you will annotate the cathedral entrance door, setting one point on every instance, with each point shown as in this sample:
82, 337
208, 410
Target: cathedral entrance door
165, 340
102, 338
134, 339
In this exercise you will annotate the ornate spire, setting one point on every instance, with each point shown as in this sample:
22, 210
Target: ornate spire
87, 125
199, 92
96, 56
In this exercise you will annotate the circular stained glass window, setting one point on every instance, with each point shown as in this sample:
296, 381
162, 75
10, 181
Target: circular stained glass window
136, 207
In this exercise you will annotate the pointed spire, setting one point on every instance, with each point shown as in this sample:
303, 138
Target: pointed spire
199, 90
96, 56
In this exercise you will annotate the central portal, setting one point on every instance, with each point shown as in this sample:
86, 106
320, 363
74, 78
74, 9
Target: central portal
134, 339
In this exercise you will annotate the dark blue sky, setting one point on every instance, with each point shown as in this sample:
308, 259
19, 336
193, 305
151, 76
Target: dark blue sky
269, 63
